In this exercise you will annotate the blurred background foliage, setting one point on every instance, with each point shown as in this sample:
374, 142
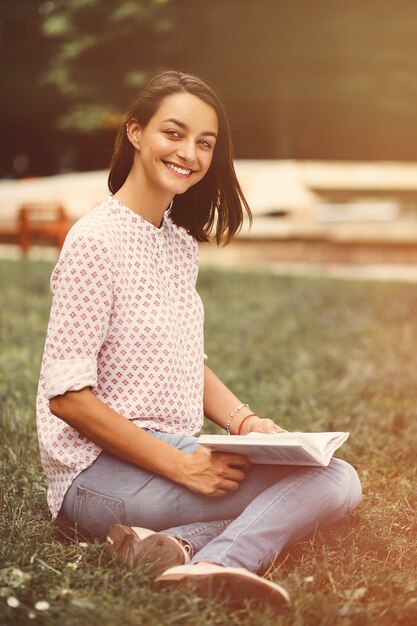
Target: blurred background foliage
301, 79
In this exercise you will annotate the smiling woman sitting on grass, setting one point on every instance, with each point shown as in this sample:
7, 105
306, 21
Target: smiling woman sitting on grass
124, 387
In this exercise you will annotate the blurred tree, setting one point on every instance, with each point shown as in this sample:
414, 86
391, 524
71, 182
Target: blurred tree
69, 68
106, 50
27, 110
301, 79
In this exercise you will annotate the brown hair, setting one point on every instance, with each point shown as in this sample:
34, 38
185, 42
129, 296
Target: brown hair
218, 197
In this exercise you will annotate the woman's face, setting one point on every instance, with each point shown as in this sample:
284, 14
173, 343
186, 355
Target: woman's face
176, 147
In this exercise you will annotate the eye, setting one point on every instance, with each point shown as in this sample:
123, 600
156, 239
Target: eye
206, 144
173, 133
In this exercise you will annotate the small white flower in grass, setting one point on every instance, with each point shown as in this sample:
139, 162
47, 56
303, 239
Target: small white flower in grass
309, 579
31, 615
12, 602
72, 566
42, 605
83, 544
17, 578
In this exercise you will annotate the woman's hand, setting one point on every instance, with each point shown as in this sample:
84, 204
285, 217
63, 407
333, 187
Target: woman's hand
257, 424
212, 473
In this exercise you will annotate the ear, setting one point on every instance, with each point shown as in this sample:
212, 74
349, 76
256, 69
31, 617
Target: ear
133, 131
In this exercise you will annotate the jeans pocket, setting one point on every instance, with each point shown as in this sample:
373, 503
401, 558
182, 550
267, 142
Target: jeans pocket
95, 512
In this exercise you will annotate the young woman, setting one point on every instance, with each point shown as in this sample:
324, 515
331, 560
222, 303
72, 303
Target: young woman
124, 385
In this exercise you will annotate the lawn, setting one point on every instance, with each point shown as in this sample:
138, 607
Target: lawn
315, 354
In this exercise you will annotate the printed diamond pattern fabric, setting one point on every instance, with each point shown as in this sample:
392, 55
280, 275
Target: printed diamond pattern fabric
127, 322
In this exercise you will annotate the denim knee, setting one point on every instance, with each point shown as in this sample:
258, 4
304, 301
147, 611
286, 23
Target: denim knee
347, 490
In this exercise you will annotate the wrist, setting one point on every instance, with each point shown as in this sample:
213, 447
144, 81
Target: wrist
233, 415
244, 427
177, 470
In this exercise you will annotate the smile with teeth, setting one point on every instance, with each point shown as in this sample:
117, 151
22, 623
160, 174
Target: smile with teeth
182, 171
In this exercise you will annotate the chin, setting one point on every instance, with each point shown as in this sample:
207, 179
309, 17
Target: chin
181, 187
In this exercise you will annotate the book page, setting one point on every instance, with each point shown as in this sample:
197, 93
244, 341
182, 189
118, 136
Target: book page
280, 455
320, 445
281, 448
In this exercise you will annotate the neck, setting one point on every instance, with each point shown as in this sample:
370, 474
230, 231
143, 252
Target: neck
149, 203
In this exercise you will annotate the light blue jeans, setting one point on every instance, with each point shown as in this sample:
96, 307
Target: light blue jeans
273, 507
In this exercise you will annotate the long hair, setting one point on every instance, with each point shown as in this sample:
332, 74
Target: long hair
217, 200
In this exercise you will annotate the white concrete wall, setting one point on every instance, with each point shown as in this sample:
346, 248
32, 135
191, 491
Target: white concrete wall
269, 185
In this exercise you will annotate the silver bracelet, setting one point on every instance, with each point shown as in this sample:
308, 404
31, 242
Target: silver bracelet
232, 414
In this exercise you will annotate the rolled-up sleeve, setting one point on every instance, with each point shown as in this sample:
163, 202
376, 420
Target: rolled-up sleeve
82, 297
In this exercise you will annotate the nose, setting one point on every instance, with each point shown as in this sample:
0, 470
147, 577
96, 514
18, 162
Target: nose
186, 151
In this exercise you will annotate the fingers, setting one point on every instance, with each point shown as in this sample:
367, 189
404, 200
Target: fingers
231, 485
269, 427
232, 459
229, 473
217, 493
213, 474
226, 487
228, 468
219, 486
266, 426
274, 428
235, 474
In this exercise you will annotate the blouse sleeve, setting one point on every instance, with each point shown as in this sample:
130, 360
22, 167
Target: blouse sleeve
82, 296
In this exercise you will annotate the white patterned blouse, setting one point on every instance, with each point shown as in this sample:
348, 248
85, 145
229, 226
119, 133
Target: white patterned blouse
127, 322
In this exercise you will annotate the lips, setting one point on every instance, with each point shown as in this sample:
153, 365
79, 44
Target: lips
177, 169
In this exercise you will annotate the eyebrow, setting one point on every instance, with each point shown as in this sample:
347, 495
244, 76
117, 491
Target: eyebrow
206, 133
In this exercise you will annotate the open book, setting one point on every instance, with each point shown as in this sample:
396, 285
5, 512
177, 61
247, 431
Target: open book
279, 449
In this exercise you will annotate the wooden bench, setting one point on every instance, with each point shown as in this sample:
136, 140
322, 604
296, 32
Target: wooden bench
38, 223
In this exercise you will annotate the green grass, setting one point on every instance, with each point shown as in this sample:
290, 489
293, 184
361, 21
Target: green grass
313, 353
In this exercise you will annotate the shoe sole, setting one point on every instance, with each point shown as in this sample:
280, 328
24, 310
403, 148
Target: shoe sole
238, 589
